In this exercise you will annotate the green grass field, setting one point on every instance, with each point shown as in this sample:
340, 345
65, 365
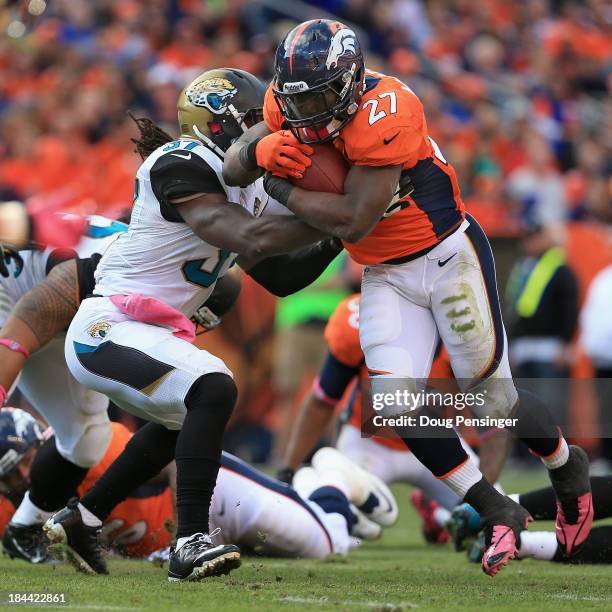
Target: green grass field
399, 572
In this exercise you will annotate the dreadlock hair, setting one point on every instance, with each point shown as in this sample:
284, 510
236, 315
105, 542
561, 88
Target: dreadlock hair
151, 136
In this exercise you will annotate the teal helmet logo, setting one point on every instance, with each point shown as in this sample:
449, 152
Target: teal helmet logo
214, 94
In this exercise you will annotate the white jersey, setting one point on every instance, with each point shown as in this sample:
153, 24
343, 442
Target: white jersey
23, 276
160, 256
270, 518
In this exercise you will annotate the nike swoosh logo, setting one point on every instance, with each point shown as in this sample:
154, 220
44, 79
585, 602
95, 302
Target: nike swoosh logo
188, 156
388, 140
443, 262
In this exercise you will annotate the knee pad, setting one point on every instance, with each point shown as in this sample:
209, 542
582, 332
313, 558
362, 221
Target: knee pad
217, 391
91, 445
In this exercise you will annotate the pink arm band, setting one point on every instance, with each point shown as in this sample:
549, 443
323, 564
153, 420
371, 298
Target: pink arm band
13, 345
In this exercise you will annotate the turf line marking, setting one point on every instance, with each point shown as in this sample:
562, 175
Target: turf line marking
325, 601
580, 597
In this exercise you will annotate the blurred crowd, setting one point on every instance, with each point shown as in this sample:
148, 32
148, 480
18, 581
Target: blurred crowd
517, 95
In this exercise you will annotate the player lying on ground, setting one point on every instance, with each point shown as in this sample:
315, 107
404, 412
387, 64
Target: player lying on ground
39, 296
542, 545
385, 456
429, 270
131, 339
249, 508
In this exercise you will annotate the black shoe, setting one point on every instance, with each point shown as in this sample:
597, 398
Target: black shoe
25, 542
199, 558
575, 512
502, 528
80, 542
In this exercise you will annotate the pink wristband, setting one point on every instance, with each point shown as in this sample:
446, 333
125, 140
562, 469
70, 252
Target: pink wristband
2, 396
13, 345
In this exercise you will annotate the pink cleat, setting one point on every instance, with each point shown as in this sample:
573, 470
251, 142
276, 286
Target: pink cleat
502, 535
433, 532
574, 501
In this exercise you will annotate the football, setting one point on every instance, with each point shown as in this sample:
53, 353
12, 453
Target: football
327, 172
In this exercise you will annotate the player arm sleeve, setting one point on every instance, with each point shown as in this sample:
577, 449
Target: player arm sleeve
283, 275
174, 177
333, 380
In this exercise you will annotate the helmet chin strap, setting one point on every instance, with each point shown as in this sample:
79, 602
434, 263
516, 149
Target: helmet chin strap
208, 142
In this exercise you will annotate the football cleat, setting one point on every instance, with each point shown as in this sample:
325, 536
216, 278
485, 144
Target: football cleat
81, 544
199, 558
463, 526
502, 529
363, 527
368, 492
575, 512
27, 542
477, 549
433, 532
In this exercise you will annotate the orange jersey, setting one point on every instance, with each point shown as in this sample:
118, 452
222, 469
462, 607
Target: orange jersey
390, 129
342, 337
139, 525
6, 512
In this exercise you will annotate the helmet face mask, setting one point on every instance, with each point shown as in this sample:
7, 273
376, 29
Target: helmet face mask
319, 79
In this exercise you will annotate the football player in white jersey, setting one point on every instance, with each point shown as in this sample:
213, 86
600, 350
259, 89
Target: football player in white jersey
131, 340
39, 295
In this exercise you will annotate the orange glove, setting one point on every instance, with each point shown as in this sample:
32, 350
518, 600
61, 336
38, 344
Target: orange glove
283, 154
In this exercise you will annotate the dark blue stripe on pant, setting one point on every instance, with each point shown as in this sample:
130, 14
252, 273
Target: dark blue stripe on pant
229, 462
481, 245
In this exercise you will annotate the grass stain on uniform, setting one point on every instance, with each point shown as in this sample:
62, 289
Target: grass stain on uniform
455, 314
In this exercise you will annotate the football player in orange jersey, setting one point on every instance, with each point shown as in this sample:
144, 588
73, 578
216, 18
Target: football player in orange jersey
429, 270
385, 456
138, 526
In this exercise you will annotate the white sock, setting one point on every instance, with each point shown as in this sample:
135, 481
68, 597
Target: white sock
89, 518
558, 458
540, 545
514, 497
29, 514
464, 478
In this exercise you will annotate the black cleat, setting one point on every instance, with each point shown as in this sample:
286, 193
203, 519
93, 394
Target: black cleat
80, 542
502, 534
575, 512
27, 542
199, 558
